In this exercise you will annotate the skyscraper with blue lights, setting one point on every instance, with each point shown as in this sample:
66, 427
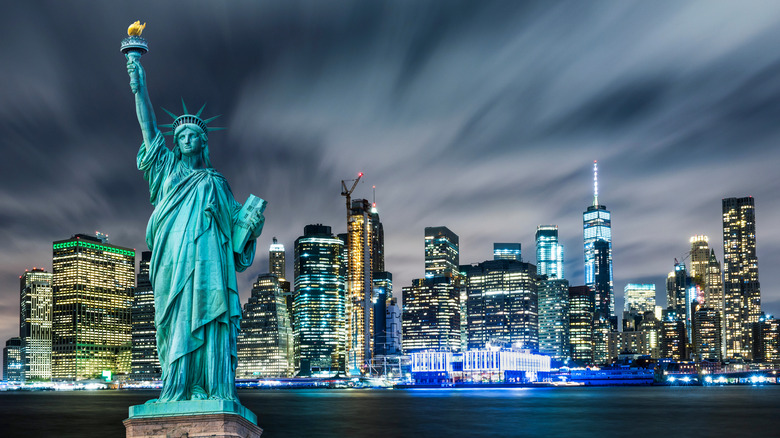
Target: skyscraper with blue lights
319, 301
597, 226
549, 253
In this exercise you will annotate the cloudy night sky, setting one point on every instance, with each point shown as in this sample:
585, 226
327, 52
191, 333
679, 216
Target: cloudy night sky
481, 116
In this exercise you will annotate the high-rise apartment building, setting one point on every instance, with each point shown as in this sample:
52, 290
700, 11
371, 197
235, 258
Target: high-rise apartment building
441, 252
364, 252
319, 301
638, 299
549, 252
554, 318
145, 364
13, 364
766, 339
706, 333
502, 306
92, 298
265, 343
431, 315
700, 258
383, 291
35, 323
507, 251
713, 285
673, 339
581, 309
277, 263
740, 275
597, 235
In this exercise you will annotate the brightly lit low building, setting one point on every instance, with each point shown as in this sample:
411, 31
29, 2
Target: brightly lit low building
490, 365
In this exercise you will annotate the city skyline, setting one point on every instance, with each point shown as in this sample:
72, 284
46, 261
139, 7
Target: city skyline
479, 118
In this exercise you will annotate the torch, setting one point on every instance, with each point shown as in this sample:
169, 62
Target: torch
134, 47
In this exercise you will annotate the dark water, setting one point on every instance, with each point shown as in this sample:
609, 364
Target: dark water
658, 412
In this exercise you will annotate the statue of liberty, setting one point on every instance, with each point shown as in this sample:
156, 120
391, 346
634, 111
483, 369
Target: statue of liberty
195, 235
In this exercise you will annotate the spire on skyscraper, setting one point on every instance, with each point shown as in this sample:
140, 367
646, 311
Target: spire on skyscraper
595, 182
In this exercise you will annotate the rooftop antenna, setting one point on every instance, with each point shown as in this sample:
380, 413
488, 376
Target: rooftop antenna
374, 202
595, 183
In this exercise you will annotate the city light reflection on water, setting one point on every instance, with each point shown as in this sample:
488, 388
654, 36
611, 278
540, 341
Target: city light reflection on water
476, 412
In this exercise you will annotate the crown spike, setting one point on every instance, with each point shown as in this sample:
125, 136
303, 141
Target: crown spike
212, 118
173, 116
184, 106
200, 110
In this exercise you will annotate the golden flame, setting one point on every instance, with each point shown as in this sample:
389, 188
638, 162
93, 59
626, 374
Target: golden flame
136, 28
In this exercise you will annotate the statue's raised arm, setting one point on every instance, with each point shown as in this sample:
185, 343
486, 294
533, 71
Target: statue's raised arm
143, 105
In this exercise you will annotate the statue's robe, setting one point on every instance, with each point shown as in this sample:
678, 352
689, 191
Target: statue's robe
193, 274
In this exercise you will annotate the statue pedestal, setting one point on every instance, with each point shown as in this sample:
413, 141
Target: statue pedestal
192, 419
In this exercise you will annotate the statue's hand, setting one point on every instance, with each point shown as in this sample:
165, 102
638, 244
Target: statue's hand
257, 226
136, 72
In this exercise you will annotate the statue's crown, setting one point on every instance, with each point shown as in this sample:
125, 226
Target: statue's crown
187, 118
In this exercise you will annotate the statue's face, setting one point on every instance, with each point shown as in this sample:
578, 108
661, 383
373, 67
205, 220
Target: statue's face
190, 142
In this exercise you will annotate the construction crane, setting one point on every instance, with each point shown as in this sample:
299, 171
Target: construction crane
348, 192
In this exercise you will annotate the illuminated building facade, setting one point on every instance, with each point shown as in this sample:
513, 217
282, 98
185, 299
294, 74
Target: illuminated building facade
632, 342
581, 308
700, 258
363, 241
393, 322
713, 285
92, 299
766, 339
144, 365
740, 275
383, 291
507, 251
604, 320
319, 301
441, 252
673, 338
597, 235
277, 263
13, 364
35, 323
502, 304
549, 253
265, 343
706, 331
431, 315
638, 299
554, 318
650, 327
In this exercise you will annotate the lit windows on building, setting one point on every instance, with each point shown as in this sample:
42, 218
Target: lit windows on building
741, 287
319, 302
277, 263
597, 236
581, 309
13, 364
549, 252
638, 299
145, 365
431, 315
92, 299
554, 318
766, 339
265, 343
706, 331
441, 252
507, 251
502, 304
35, 323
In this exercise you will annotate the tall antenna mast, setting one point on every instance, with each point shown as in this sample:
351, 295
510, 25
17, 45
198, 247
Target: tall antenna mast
374, 202
595, 183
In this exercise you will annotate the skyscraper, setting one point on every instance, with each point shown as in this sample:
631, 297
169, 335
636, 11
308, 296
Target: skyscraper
713, 285
319, 301
383, 291
431, 315
706, 334
581, 324
35, 323
265, 343
507, 251
362, 243
13, 365
145, 365
502, 307
276, 260
92, 298
441, 252
554, 318
700, 258
639, 299
740, 275
597, 227
549, 253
